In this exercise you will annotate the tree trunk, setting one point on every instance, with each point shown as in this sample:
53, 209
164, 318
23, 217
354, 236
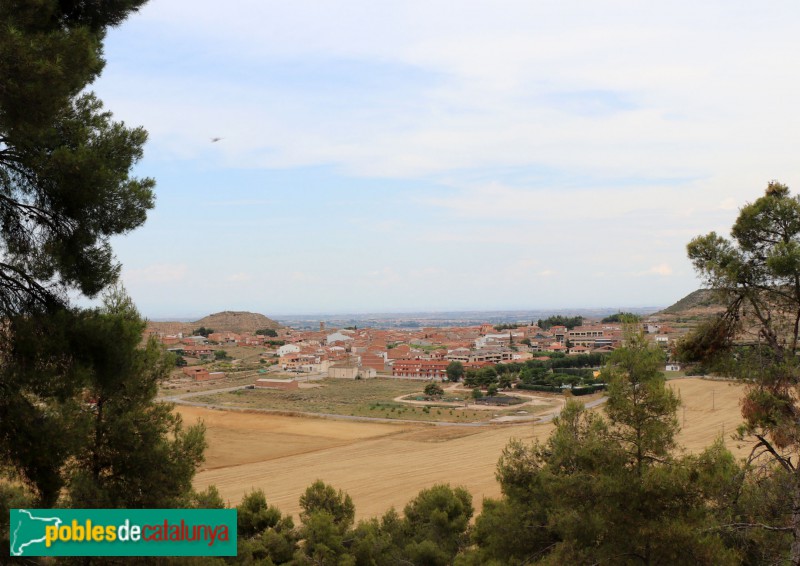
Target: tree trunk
795, 555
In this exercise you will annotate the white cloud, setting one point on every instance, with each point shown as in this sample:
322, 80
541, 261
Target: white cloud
601, 135
670, 90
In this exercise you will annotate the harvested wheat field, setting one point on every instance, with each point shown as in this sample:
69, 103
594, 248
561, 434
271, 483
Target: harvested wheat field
386, 464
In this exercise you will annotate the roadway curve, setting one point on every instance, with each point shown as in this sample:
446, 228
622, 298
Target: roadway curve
183, 399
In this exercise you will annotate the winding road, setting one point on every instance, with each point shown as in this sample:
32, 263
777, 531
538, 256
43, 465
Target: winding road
184, 399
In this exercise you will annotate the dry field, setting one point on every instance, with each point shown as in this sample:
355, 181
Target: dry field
386, 464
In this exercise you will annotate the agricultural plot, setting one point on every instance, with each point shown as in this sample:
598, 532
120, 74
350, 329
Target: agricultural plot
386, 464
378, 398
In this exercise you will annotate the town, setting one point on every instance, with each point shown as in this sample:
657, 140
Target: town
422, 354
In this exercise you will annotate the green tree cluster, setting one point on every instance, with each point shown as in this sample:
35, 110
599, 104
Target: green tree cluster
432, 530
623, 317
91, 434
559, 320
554, 372
483, 377
609, 490
434, 390
455, 371
202, 331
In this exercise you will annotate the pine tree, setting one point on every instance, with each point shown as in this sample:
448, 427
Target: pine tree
757, 275
608, 490
65, 190
136, 452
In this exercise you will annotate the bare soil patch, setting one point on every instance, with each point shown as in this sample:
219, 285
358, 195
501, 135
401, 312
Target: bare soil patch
385, 464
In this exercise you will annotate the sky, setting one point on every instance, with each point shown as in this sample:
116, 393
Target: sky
436, 155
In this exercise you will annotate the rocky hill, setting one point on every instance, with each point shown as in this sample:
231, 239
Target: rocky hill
704, 300
226, 321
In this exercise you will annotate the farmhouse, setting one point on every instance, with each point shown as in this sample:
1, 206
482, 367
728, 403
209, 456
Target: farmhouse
198, 373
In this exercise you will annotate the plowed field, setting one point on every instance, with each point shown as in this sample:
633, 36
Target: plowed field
386, 464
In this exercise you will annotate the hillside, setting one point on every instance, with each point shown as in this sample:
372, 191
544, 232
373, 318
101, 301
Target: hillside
702, 301
236, 321
226, 321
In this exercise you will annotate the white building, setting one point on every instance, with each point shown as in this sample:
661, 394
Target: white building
288, 349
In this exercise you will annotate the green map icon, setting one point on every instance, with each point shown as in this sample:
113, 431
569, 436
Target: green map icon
28, 531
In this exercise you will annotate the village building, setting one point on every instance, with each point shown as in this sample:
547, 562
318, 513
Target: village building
288, 349
349, 370
338, 337
493, 356
420, 369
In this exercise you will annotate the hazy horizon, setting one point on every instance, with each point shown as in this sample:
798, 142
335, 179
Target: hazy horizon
420, 313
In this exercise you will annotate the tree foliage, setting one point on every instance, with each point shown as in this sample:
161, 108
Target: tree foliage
757, 274
434, 390
79, 416
137, 452
436, 523
559, 320
65, 186
320, 496
623, 317
65, 191
455, 371
265, 535
608, 490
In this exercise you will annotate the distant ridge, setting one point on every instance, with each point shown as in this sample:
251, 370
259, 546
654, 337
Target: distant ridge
696, 302
225, 321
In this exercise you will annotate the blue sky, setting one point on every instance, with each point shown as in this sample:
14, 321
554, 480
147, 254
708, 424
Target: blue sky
439, 155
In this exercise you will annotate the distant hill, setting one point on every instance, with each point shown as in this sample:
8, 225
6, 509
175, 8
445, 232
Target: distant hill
226, 321
701, 301
236, 321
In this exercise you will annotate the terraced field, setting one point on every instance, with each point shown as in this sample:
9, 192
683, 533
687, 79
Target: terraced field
386, 464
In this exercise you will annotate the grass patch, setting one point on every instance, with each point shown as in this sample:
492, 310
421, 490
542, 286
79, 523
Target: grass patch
363, 398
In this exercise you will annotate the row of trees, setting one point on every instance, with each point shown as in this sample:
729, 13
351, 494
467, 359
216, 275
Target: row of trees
553, 372
456, 370
559, 320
